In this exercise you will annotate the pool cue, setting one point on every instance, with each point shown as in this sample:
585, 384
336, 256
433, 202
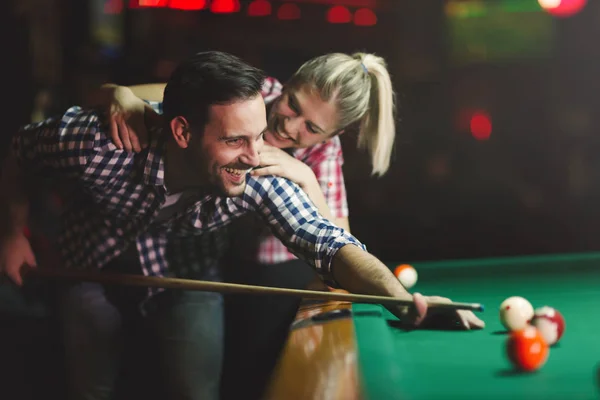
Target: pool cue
221, 287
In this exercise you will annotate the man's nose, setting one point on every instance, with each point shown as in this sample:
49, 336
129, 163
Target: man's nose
251, 156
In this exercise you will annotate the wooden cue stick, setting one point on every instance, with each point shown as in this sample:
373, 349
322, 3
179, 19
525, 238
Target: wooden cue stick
188, 284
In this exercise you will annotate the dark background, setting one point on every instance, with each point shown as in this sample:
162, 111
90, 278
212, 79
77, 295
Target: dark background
531, 187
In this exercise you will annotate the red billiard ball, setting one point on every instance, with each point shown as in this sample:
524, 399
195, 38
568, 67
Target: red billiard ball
526, 349
550, 322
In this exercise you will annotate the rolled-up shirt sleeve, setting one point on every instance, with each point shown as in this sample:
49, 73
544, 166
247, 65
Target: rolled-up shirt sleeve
294, 219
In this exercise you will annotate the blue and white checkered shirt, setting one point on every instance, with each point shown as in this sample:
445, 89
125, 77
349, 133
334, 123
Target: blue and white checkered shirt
118, 195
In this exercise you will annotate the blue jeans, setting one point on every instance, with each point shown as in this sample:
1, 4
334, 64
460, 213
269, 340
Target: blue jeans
182, 337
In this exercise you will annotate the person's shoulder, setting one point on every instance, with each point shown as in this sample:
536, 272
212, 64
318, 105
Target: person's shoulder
328, 150
81, 131
71, 140
74, 121
87, 125
269, 186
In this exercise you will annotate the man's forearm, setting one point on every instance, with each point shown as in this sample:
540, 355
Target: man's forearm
360, 272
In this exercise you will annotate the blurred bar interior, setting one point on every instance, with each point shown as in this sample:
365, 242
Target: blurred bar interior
497, 101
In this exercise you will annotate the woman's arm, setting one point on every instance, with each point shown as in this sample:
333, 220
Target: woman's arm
277, 162
126, 112
149, 91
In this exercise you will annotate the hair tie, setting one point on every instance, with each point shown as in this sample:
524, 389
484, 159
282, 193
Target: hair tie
364, 68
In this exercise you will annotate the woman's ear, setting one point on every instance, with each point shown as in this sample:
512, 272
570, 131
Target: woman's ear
180, 129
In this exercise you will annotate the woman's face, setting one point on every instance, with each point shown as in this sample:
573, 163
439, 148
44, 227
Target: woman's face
300, 118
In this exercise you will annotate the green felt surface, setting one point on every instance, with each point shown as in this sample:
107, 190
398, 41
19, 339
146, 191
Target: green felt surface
434, 364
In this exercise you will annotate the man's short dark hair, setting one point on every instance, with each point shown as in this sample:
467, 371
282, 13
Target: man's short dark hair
206, 79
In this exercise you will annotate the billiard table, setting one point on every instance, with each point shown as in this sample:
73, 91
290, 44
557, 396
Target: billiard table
360, 351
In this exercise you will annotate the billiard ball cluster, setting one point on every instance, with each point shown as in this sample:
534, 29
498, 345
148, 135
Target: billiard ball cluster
532, 332
407, 275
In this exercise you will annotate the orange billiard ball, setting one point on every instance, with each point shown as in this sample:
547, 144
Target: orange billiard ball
407, 275
526, 349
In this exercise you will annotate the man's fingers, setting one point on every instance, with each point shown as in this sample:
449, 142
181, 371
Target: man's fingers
420, 308
470, 320
438, 299
15, 275
114, 132
30, 259
476, 323
464, 320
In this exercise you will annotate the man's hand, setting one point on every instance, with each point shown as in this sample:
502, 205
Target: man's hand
16, 252
421, 315
414, 315
464, 318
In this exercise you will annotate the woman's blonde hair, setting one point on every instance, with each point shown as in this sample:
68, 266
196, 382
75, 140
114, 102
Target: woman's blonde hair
362, 89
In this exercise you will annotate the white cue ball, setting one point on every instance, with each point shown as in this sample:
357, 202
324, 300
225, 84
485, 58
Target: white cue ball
515, 313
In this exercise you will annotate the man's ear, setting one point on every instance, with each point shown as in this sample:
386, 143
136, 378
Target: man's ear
180, 129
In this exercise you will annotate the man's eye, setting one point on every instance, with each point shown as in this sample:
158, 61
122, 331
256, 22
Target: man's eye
233, 142
311, 129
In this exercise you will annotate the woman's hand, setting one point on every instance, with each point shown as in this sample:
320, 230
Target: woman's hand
127, 119
275, 161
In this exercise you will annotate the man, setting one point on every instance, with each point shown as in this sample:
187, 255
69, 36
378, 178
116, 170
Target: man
139, 213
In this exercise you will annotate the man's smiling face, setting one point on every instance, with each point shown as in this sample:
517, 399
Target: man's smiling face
231, 142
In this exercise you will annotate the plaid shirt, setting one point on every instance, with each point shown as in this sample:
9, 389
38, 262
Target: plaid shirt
326, 160
119, 194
